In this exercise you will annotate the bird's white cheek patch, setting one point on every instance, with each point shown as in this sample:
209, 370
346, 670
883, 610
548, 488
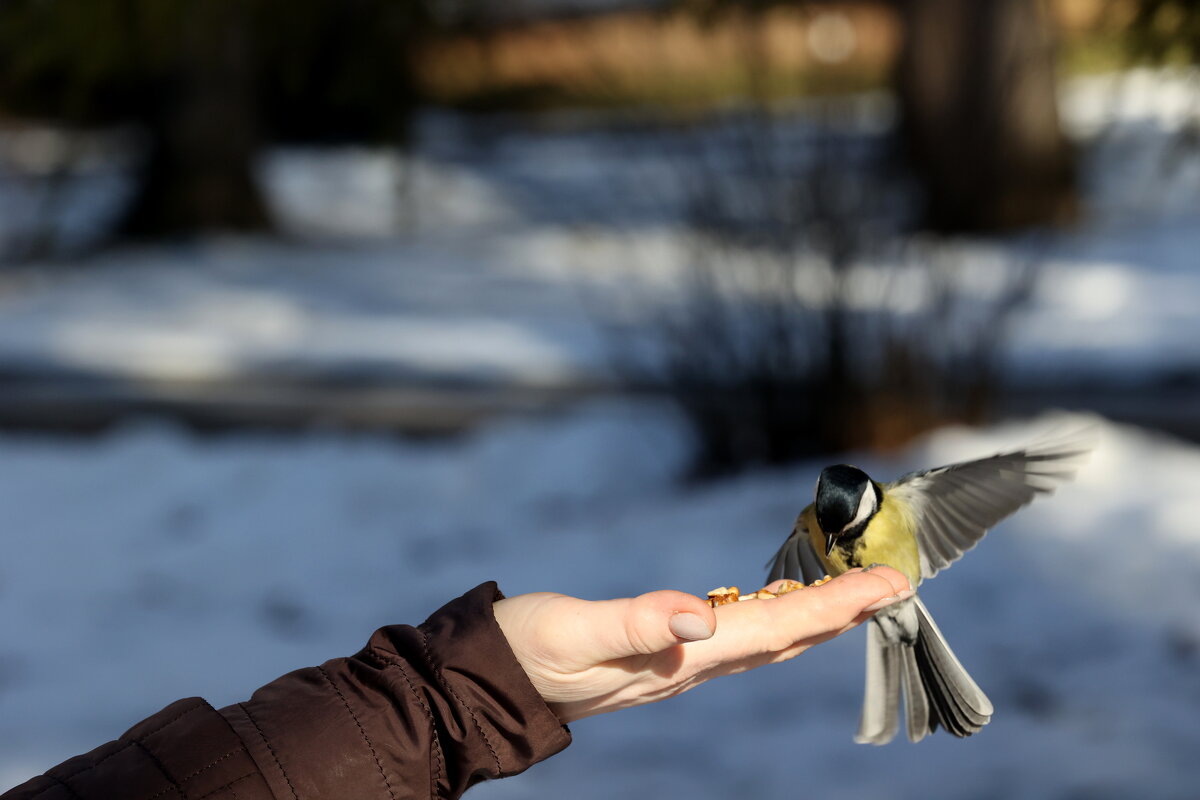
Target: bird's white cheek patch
865, 508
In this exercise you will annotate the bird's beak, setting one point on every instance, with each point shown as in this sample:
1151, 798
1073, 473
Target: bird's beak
830, 541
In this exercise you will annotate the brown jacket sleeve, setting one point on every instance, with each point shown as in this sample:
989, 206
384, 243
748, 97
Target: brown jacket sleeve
420, 712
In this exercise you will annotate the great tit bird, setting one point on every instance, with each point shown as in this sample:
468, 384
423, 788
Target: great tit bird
918, 524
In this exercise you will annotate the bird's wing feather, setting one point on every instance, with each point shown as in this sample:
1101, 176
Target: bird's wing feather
796, 560
955, 505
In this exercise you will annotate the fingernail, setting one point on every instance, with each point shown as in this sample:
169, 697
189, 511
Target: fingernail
687, 625
887, 601
883, 603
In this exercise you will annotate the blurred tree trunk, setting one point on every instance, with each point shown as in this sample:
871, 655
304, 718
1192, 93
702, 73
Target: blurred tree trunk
977, 90
204, 132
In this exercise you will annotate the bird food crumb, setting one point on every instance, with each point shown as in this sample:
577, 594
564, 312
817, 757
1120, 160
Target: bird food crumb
724, 595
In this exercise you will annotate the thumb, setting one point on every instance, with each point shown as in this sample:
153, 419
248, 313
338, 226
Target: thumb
649, 623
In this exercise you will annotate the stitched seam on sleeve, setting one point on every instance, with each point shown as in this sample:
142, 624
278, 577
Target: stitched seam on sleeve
174, 719
388, 659
227, 786
118, 750
57, 782
267, 742
361, 730
197, 772
437, 670
161, 768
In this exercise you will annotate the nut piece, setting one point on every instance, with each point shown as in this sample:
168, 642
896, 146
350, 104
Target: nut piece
790, 586
723, 595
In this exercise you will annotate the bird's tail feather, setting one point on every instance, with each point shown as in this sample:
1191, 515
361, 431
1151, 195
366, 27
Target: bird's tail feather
881, 700
937, 689
916, 696
956, 701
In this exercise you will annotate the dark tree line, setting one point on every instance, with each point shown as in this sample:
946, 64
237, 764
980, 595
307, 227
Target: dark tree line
208, 83
977, 88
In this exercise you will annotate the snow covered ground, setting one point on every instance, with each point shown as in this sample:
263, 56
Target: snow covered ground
514, 249
137, 563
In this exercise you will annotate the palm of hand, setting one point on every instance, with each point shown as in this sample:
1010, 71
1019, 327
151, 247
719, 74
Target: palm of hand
590, 657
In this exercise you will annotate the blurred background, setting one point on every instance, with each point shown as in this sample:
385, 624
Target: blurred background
314, 315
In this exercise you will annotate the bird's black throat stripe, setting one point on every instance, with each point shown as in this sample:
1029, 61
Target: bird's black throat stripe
848, 541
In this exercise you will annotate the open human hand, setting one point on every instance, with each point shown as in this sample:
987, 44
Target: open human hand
591, 657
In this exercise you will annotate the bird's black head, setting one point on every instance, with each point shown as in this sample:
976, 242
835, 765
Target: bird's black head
845, 497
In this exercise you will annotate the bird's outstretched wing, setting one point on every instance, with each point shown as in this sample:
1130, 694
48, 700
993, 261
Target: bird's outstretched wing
955, 505
796, 560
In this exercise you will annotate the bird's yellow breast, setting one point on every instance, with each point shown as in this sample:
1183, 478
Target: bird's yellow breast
890, 538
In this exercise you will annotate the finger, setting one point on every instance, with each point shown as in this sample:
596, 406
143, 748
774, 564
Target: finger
835, 606
893, 576
805, 616
896, 578
649, 623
